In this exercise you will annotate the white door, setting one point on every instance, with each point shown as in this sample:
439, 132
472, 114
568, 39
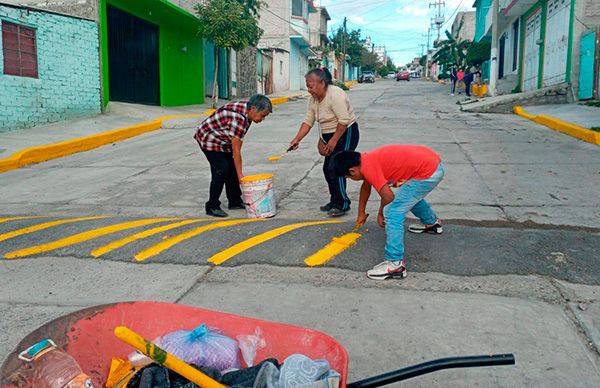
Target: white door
532, 51
557, 41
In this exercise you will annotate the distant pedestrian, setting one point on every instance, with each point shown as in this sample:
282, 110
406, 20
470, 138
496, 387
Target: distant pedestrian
415, 170
468, 79
460, 75
329, 106
453, 79
220, 137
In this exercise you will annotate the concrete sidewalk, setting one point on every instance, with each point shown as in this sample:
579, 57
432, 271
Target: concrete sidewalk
384, 326
578, 114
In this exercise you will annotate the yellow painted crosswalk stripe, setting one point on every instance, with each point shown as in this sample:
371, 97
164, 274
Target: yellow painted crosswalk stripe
166, 244
331, 250
81, 237
45, 225
138, 236
228, 253
18, 218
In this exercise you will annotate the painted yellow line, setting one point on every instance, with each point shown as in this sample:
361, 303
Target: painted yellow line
570, 129
331, 250
228, 253
45, 225
138, 236
81, 237
166, 244
18, 218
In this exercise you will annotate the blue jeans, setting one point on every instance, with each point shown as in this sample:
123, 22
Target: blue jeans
409, 197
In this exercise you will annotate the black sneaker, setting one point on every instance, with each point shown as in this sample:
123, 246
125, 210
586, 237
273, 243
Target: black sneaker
236, 206
216, 212
326, 208
433, 229
335, 212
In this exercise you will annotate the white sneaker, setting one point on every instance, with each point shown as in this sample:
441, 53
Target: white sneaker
433, 229
387, 269
452, 94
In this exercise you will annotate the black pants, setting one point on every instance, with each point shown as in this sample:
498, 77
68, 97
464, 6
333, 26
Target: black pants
337, 185
223, 173
453, 81
468, 88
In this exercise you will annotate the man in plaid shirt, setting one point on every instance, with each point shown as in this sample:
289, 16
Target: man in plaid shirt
220, 137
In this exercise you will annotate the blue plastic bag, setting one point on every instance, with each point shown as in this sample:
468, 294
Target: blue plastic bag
203, 347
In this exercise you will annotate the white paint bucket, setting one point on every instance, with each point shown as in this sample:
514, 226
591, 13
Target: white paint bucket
258, 195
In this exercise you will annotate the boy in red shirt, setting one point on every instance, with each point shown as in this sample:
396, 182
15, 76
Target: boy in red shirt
415, 170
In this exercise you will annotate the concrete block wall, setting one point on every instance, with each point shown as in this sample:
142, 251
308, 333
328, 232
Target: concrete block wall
246, 72
83, 8
68, 83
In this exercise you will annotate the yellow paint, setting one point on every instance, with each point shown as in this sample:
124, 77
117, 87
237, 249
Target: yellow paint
258, 177
166, 244
138, 236
18, 218
334, 248
45, 225
582, 133
81, 237
274, 158
228, 253
279, 100
164, 358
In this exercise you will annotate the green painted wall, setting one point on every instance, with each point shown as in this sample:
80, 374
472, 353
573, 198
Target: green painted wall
181, 56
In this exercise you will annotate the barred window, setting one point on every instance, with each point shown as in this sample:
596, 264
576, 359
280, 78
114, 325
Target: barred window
19, 50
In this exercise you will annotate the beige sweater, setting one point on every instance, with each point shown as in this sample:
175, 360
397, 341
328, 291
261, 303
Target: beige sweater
335, 108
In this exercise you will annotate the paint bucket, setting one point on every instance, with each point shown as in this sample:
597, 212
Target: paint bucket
258, 196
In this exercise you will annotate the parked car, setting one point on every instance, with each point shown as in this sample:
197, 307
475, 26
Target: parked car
391, 75
403, 75
367, 76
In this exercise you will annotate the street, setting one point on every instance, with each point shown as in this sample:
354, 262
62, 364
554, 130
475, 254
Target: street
520, 248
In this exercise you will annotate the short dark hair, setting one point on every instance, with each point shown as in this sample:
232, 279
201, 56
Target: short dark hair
261, 103
343, 161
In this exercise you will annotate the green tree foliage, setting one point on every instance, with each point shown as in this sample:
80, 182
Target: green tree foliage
477, 53
229, 24
369, 61
451, 51
351, 41
423, 61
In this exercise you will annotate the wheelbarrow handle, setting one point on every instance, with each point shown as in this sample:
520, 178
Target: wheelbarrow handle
432, 366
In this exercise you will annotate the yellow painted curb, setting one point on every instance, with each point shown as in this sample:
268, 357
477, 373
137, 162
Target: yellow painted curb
350, 84
581, 133
46, 152
279, 100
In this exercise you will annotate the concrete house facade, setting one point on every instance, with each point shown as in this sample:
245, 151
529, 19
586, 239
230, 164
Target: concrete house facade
287, 38
49, 67
539, 44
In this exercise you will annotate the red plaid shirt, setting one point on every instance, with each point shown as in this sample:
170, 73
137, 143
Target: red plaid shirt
231, 120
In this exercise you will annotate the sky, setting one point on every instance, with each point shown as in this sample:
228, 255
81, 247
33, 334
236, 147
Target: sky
400, 25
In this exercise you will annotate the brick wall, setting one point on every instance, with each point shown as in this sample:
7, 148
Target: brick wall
68, 84
82, 8
246, 72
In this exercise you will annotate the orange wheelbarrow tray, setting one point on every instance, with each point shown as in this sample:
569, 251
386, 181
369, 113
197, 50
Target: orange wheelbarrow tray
88, 336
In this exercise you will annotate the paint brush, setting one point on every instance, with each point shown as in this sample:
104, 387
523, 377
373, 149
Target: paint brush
360, 224
277, 157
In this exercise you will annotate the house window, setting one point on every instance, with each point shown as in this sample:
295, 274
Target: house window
297, 8
515, 44
19, 50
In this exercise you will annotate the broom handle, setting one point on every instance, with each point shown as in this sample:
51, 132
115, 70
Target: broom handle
162, 357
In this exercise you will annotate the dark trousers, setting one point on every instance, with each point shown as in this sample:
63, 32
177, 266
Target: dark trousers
453, 82
337, 185
223, 173
468, 88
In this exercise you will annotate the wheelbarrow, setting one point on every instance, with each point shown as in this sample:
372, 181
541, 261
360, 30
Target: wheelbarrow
88, 336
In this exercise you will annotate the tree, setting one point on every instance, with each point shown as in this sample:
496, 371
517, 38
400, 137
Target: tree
351, 43
229, 24
369, 61
451, 51
477, 53
423, 61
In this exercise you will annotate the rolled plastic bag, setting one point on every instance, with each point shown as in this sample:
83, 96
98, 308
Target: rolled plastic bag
249, 344
203, 346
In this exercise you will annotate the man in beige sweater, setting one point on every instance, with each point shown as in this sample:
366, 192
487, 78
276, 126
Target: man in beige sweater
330, 107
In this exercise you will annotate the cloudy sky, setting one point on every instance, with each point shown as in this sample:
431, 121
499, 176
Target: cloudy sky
400, 25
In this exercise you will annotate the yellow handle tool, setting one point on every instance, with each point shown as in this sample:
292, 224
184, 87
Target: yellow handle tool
359, 225
162, 357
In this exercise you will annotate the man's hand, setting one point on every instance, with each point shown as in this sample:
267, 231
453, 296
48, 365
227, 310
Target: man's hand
381, 219
330, 146
294, 144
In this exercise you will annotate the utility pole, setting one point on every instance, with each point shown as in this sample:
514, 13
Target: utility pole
344, 52
494, 50
438, 20
427, 52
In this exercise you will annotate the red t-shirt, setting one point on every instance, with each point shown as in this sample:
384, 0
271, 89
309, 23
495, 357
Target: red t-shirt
392, 164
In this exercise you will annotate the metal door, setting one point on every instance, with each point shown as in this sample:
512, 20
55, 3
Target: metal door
586, 65
532, 51
556, 42
133, 74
